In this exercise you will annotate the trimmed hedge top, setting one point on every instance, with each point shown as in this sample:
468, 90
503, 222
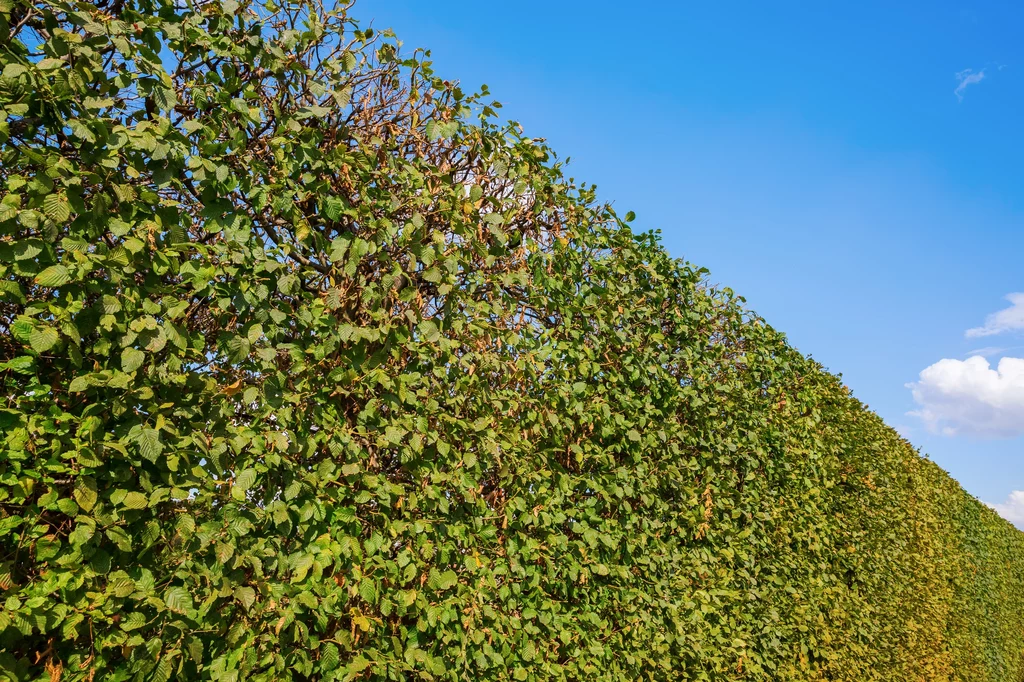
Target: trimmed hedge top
313, 371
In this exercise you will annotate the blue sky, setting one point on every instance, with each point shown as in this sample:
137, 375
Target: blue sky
840, 167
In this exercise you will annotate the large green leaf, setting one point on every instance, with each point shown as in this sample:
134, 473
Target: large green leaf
57, 207
178, 599
43, 339
132, 359
53, 276
149, 443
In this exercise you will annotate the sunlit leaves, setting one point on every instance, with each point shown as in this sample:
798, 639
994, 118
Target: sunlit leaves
135, 500
368, 591
132, 359
85, 493
11, 291
57, 207
178, 599
164, 98
245, 596
442, 581
245, 479
43, 339
149, 444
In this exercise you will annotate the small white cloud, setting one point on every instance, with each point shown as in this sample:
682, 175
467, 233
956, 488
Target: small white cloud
970, 397
1006, 320
966, 78
1013, 509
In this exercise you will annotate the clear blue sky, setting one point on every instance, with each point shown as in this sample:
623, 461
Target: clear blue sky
820, 160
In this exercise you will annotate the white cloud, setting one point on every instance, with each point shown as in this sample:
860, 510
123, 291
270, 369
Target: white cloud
1013, 509
966, 78
970, 397
1006, 320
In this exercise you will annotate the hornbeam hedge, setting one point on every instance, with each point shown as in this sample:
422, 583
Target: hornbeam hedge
313, 371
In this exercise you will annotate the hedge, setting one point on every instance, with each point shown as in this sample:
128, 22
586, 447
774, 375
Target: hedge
313, 370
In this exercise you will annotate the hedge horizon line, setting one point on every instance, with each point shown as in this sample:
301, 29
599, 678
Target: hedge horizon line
312, 369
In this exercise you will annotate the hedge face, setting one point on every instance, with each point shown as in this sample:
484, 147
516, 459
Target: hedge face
313, 371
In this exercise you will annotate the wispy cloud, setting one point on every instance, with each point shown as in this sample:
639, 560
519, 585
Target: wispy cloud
986, 352
991, 351
965, 79
1006, 320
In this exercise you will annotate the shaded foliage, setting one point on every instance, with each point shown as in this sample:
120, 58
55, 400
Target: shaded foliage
312, 370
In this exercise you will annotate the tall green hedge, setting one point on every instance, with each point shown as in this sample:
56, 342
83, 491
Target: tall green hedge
311, 370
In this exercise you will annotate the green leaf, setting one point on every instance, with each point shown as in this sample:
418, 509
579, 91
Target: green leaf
368, 591
120, 538
74, 244
85, 493
245, 479
329, 657
163, 670
23, 364
110, 304
27, 249
133, 621
178, 599
185, 525
430, 332
53, 277
332, 207
120, 584
132, 359
246, 596
7, 211
394, 435
293, 490
442, 581
81, 131
80, 383
56, 207
224, 552
8, 419
125, 193
300, 566
149, 444
164, 98
43, 339
135, 500
82, 533
238, 348
13, 69
11, 291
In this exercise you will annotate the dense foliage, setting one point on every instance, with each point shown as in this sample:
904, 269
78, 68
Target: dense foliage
311, 370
